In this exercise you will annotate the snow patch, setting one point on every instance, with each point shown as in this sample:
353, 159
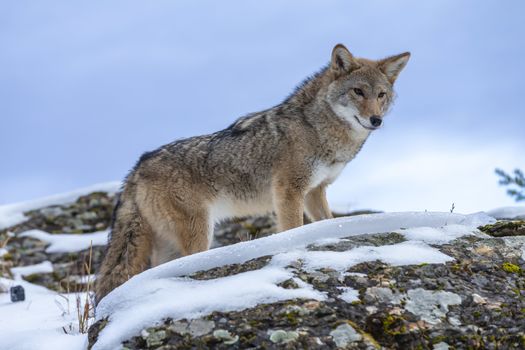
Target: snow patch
43, 267
517, 212
405, 253
37, 322
436, 235
349, 294
13, 214
68, 243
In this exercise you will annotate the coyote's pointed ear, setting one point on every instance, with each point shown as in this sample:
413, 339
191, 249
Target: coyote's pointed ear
392, 66
342, 60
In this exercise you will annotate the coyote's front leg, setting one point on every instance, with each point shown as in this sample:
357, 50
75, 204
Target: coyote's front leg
316, 204
288, 204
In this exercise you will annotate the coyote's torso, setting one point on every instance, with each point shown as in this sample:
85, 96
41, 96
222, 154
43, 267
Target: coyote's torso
280, 159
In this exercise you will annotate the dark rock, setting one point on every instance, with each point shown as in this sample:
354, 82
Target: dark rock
505, 228
17, 293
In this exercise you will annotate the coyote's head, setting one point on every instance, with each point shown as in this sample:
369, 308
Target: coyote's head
362, 90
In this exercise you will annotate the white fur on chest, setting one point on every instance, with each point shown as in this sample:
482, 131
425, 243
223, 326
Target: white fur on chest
325, 174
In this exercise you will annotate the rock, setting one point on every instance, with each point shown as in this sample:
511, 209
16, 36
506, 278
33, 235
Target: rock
282, 337
225, 336
88, 215
454, 321
154, 338
345, 334
431, 306
51, 212
289, 284
179, 327
195, 328
505, 228
380, 295
17, 294
200, 327
441, 346
478, 299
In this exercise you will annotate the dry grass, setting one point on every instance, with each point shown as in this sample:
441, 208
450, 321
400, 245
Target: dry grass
84, 300
86, 311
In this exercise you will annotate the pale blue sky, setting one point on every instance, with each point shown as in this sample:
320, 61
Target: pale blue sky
86, 87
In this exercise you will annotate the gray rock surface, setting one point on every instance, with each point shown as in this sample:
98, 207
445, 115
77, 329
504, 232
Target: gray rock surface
344, 335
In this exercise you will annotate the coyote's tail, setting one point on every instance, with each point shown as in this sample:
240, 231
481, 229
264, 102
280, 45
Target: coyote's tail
129, 246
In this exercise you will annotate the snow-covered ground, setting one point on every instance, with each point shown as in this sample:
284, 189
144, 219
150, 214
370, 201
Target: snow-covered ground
43, 267
64, 243
508, 213
40, 320
45, 320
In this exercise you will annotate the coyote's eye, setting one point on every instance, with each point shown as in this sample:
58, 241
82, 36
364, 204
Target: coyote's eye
358, 92
381, 94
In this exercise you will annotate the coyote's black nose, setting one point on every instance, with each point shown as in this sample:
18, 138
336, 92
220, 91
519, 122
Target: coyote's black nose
376, 121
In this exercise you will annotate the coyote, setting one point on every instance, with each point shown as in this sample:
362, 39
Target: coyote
280, 159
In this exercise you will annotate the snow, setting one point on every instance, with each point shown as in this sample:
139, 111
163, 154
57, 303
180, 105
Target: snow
13, 214
37, 322
64, 242
43, 267
301, 237
149, 296
517, 212
349, 294
395, 254
436, 235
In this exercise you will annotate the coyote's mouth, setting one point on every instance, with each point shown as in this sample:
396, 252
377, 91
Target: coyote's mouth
364, 126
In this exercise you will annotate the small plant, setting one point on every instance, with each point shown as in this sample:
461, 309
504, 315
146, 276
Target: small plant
84, 300
85, 311
516, 183
510, 268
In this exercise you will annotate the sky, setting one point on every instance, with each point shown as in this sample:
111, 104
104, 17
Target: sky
86, 87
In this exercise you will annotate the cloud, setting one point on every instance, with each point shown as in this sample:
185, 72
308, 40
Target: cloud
416, 174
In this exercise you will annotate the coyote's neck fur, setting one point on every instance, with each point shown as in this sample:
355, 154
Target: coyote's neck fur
280, 159
339, 139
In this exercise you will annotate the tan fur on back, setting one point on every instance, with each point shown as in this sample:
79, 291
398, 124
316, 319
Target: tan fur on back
281, 159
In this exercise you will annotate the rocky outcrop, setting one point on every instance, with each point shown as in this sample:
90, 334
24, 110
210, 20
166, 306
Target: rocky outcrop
87, 214
476, 301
